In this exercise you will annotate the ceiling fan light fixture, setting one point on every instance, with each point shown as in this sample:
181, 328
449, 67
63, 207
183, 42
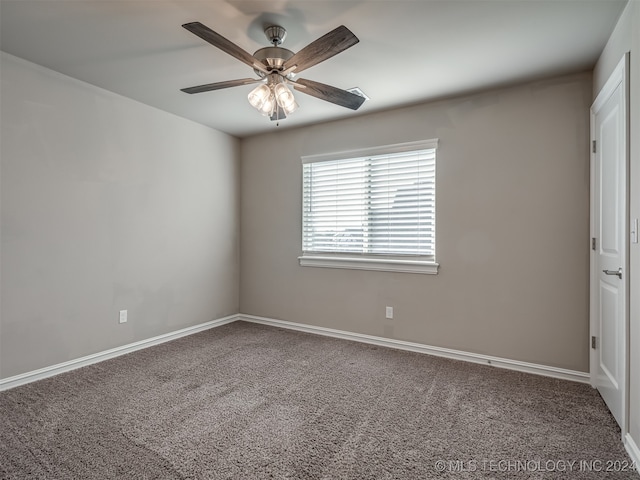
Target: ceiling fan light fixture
268, 106
259, 95
291, 108
271, 96
285, 98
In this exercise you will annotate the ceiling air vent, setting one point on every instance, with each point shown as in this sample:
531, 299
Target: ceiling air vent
358, 92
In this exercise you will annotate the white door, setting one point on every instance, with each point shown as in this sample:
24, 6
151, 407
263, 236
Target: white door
609, 275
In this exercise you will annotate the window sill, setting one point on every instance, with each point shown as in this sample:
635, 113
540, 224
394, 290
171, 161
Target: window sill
376, 264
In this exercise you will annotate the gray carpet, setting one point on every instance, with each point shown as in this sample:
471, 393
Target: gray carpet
249, 401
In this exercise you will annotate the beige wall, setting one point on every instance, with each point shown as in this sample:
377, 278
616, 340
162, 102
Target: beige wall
512, 227
107, 204
626, 38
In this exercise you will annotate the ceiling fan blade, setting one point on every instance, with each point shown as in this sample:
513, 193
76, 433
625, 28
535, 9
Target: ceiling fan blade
325, 47
219, 85
225, 45
329, 93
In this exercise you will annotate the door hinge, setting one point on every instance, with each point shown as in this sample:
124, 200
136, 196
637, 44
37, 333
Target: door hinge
593, 243
593, 146
593, 342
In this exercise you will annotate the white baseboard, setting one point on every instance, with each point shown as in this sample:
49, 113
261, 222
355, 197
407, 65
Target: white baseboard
506, 363
46, 372
633, 450
50, 371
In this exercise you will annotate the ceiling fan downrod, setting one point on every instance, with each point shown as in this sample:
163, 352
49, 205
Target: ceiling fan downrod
275, 34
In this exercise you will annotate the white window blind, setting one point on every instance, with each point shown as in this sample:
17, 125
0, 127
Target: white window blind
382, 204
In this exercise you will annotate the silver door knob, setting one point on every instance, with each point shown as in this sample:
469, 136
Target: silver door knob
614, 272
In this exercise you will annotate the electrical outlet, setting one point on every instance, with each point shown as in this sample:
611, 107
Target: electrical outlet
389, 312
123, 316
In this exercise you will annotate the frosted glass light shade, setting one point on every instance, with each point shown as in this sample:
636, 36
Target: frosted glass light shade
267, 97
259, 95
291, 108
268, 105
285, 98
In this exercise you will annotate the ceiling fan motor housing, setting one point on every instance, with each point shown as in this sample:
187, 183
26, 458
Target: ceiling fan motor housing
273, 58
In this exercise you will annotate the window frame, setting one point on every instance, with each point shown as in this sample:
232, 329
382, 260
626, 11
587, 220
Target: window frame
422, 264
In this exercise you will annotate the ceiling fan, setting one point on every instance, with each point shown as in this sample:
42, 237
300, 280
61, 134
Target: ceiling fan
276, 67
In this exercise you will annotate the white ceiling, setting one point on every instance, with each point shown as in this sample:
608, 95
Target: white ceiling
409, 51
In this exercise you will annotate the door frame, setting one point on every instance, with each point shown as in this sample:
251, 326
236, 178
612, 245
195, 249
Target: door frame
619, 75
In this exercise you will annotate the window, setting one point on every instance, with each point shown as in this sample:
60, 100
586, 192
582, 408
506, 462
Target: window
371, 209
